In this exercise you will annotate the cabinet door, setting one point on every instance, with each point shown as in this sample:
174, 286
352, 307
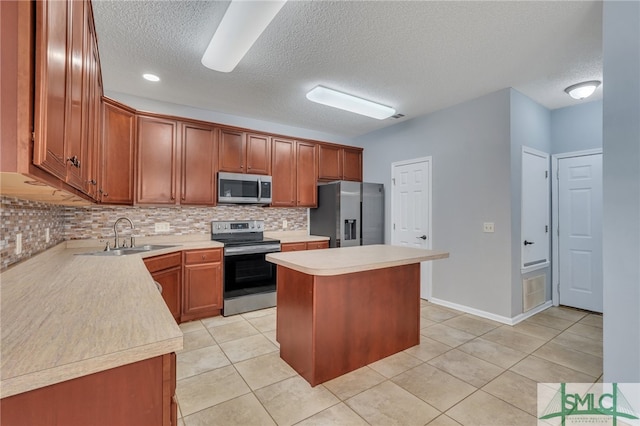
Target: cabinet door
171, 282
94, 92
293, 247
199, 159
306, 191
232, 151
157, 150
258, 154
51, 86
116, 174
329, 162
202, 291
352, 164
283, 173
76, 144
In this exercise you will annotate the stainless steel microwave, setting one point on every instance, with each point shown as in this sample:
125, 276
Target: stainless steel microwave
239, 188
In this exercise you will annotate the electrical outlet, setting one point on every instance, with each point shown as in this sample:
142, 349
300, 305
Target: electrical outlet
162, 226
18, 243
284, 224
488, 227
47, 237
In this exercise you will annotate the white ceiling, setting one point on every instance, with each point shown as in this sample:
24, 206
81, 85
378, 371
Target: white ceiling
416, 56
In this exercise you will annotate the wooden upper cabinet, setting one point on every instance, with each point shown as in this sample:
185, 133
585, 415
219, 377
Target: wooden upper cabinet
258, 153
232, 151
283, 172
115, 185
52, 23
329, 162
157, 151
242, 152
306, 167
66, 93
352, 164
198, 168
76, 146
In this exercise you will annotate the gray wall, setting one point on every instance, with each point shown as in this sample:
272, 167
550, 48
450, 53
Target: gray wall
530, 127
144, 104
470, 149
576, 128
621, 178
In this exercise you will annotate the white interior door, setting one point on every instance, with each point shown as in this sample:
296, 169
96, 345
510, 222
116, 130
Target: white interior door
580, 231
535, 216
411, 211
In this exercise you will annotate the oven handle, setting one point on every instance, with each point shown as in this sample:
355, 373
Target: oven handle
238, 251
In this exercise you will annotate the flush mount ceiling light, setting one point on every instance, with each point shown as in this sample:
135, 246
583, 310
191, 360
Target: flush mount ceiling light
582, 90
241, 25
151, 77
340, 100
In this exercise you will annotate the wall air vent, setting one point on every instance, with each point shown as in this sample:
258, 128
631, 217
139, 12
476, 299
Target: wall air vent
396, 116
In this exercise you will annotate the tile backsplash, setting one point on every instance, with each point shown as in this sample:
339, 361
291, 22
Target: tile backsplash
30, 219
96, 222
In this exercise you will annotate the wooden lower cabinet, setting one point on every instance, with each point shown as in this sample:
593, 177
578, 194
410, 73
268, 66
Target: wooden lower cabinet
141, 393
311, 245
202, 284
166, 269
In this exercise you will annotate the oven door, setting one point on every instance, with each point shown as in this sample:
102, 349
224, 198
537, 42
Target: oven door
248, 274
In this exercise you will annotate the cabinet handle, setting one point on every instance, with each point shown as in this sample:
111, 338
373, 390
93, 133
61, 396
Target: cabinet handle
74, 161
92, 182
204, 257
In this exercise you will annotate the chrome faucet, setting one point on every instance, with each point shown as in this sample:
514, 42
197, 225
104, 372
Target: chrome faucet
115, 231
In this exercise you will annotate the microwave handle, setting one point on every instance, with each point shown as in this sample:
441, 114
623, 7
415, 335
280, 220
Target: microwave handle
259, 189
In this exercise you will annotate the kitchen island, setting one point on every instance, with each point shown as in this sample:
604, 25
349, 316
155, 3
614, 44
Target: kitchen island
343, 308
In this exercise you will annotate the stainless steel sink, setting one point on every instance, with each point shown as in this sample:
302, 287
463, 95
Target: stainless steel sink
128, 250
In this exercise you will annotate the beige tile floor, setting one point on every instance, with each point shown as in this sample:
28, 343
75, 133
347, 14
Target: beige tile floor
466, 370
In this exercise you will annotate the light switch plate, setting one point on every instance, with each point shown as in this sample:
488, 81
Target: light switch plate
47, 236
18, 243
488, 227
284, 224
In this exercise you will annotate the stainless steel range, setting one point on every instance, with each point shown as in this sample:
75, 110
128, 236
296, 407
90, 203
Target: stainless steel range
249, 280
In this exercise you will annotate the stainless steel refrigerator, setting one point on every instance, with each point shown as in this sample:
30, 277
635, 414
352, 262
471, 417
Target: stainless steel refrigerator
349, 213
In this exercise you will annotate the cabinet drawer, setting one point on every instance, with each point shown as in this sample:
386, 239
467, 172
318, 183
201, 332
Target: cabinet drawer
202, 256
293, 247
317, 245
165, 261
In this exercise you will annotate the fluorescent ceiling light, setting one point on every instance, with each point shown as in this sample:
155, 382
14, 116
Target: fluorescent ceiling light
582, 90
241, 25
335, 99
151, 77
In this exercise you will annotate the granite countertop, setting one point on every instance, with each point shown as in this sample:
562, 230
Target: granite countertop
345, 260
65, 316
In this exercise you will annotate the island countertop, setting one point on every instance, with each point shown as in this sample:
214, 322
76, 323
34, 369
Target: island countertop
346, 260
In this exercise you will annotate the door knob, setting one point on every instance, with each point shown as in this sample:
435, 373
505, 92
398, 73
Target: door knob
528, 243
423, 237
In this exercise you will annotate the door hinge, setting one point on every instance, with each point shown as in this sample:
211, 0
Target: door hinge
546, 174
558, 232
546, 228
33, 136
393, 180
394, 226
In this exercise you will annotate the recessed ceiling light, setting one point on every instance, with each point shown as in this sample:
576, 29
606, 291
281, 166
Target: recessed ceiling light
151, 77
582, 90
351, 103
241, 25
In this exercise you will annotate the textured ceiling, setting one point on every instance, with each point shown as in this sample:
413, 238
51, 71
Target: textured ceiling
416, 56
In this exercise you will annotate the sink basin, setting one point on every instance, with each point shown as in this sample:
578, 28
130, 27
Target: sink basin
128, 250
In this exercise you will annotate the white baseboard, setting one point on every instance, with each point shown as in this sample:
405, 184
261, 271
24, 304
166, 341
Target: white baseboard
488, 315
